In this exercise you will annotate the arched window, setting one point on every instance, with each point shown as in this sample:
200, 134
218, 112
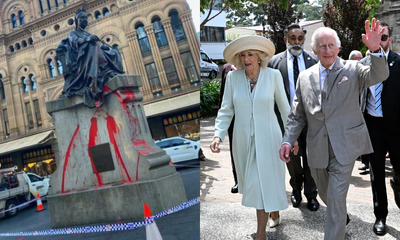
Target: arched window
14, 20
24, 85
142, 37
24, 45
59, 66
11, 49
176, 25
106, 12
21, 18
33, 82
50, 65
97, 15
56, 2
2, 92
41, 6
17, 46
30, 41
159, 32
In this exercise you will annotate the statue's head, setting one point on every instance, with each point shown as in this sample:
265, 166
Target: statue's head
80, 18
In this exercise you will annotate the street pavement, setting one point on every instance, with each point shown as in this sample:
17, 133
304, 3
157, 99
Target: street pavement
223, 216
182, 225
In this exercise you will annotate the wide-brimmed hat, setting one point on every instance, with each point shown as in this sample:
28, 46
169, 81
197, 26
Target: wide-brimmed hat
251, 42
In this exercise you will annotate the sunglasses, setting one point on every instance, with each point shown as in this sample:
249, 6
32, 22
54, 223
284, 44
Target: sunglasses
384, 37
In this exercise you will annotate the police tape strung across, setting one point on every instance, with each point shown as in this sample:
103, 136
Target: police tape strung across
21, 205
106, 227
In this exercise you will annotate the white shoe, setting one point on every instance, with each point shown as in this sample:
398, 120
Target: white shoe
273, 223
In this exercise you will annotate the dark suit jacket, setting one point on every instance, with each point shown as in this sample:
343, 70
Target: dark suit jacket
390, 93
279, 61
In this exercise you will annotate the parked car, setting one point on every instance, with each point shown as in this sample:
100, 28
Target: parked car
207, 67
38, 183
180, 149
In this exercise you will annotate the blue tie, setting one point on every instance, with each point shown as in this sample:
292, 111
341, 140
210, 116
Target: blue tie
378, 102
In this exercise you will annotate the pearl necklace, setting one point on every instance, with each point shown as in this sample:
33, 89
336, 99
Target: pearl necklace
254, 81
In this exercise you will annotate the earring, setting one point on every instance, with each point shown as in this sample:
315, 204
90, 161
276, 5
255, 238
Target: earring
259, 61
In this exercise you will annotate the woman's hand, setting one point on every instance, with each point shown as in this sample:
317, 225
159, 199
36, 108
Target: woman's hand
214, 146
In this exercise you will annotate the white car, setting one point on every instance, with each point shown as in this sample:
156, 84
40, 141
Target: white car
180, 149
38, 184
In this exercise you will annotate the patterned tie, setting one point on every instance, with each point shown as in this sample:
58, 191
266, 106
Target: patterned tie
378, 103
295, 70
323, 90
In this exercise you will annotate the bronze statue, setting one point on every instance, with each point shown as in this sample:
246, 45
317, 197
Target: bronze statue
86, 65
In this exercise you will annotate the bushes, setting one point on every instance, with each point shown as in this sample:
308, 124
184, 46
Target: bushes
209, 96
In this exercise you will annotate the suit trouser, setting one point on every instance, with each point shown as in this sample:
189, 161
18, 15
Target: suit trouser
299, 174
230, 135
333, 185
383, 140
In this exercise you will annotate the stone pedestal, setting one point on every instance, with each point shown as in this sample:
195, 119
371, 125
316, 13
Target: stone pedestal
108, 165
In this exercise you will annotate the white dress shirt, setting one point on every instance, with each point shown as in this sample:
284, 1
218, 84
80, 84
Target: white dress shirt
302, 67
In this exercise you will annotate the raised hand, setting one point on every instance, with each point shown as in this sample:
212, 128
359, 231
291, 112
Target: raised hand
372, 36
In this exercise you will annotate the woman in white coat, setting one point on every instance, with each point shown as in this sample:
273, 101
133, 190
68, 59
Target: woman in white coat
250, 95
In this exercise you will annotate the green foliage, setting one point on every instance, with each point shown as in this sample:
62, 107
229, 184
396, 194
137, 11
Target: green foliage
347, 18
209, 96
231, 36
310, 11
278, 19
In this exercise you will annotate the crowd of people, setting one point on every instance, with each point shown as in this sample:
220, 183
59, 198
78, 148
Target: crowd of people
314, 112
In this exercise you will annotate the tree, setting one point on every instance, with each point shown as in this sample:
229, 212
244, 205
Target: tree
221, 5
310, 11
278, 19
348, 19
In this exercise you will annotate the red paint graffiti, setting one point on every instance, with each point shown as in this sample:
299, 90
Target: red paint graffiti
67, 156
92, 142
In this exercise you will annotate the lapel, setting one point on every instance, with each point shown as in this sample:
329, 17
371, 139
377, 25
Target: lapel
315, 82
391, 61
283, 69
337, 68
307, 60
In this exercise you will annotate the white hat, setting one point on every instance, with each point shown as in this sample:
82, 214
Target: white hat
251, 42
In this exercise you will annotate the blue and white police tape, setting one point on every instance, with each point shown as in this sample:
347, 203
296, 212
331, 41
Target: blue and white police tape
106, 227
18, 206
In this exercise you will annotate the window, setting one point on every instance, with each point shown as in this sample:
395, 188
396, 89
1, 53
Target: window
59, 66
97, 15
106, 12
65, 2
12, 49
48, 4
17, 46
41, 6
190, 68
29, 115
37, 112
159, 32
177, 26
24, 45
33, 83
212, 34
142, 37
30, 41
5, 118
170, 71
50, 65
24, 85
154, 80
21, 18
56, 2
14, 20
2, 92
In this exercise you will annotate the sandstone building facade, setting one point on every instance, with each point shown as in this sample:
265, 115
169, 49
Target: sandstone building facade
156, 38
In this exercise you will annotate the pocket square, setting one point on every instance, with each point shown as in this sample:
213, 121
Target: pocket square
344, 79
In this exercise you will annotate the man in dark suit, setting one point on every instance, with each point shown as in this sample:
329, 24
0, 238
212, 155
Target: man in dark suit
382, 115
290, 63
225, 70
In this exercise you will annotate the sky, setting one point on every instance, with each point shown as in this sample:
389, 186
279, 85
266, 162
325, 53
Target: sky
195, 6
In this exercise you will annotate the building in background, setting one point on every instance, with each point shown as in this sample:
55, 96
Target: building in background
156, 38
212, 35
